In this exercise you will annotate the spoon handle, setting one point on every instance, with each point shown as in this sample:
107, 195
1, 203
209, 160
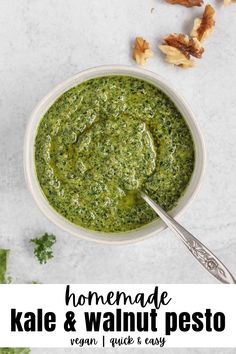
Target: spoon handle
204, 256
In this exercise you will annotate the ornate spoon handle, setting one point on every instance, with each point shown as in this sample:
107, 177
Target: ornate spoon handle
204, 256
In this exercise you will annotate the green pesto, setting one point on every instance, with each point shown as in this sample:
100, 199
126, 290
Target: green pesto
3, 265
104, 140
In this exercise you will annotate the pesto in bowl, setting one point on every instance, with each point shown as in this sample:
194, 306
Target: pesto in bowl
104, 140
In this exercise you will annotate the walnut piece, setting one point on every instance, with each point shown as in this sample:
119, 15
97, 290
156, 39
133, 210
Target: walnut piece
186, 45
174, 56
141, 51
203, 27
186, 3
227, 2
179, 48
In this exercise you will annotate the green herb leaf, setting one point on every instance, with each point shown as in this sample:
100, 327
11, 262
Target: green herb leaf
43, 247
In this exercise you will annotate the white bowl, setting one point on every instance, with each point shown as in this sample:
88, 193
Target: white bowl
119, 237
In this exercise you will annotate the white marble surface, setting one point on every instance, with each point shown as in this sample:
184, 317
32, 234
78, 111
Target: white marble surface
44, 42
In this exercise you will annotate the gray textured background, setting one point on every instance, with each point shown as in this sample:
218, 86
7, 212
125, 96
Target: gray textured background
44, 42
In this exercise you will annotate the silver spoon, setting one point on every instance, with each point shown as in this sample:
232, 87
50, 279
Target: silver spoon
205, 257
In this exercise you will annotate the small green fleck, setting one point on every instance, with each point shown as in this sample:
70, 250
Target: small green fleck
9, 279
43, 247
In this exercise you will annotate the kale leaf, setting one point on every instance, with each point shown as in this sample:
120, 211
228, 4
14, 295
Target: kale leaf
14, 350
43, 247
3, 265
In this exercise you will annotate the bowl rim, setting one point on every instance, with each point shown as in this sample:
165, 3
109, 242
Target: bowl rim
119, 237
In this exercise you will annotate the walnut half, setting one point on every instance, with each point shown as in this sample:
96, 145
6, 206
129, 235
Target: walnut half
141, 51
179, 48
186, 3
203, 27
